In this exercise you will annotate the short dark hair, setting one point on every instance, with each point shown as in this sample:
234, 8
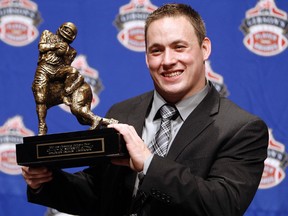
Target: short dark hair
174, 10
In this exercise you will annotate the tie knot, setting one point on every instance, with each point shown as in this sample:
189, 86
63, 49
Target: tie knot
168, 111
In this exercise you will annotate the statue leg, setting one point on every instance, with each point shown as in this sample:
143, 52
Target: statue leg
39, 88
86, 116
73, 80
80, 107
41, 110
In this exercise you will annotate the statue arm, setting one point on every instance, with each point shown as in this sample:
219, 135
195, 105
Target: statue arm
44, 44
70, 55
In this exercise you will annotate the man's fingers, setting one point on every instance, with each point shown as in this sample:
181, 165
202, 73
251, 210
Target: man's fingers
35, 177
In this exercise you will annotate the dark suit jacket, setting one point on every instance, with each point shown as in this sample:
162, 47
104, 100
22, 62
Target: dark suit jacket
213, 167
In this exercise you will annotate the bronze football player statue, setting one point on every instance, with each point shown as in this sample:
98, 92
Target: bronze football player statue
57, 82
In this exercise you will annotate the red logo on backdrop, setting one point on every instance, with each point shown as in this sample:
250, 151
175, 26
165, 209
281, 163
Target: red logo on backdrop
18, 21
275, 164
131, 21
11, 133
265, 29
91, 76
216, 79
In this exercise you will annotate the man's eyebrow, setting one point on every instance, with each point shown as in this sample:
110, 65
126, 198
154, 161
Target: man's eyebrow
174, 42
154, 45
179, 41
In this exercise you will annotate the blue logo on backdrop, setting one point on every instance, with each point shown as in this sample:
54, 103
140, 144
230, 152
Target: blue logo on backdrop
18, 22
131, 21
216, 79
275, 164
265, 29
11, 133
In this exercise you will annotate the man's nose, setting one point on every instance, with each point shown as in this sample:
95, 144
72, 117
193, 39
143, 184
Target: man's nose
169, 58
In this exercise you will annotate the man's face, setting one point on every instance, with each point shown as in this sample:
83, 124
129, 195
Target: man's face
175, 58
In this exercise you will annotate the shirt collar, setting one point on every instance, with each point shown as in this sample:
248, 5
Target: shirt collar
184, 107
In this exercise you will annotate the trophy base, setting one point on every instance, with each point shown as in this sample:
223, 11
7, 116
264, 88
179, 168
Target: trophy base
73, 149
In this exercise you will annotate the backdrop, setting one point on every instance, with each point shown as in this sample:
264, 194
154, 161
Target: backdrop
248, 65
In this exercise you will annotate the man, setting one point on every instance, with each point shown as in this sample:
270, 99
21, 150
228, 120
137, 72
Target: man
216, 151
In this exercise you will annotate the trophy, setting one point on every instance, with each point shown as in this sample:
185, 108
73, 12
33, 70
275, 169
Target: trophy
57, 82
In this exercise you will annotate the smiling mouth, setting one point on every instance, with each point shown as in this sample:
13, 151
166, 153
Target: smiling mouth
173, 74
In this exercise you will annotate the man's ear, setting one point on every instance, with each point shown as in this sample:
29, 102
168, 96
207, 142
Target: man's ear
206, 48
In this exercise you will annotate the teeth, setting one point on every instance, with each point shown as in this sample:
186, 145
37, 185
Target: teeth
172, 74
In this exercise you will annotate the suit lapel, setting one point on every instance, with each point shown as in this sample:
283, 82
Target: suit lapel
196, 123
139, 111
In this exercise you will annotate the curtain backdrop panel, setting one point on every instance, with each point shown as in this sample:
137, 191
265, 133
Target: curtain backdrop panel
249, 65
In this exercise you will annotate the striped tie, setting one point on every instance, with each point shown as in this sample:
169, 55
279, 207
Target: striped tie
159, 144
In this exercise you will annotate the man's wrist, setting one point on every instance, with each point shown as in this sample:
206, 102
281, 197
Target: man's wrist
147, 164
36, 190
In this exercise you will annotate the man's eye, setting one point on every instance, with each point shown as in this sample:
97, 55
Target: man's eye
155, 51
180, 47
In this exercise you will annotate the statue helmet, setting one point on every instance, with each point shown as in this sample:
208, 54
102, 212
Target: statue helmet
68, 31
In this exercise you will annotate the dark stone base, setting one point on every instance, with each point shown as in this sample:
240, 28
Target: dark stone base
73, 149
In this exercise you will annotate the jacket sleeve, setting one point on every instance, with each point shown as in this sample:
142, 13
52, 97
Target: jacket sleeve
69, 193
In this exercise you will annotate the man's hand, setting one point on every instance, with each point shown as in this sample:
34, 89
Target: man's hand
35, 177
137, 149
